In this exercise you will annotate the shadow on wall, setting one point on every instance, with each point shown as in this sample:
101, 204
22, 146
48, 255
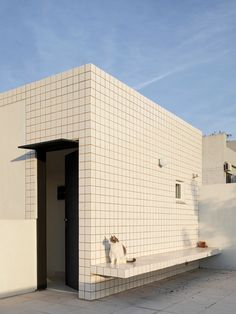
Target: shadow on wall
185, 238
106, 244
217, 219
195, 195
188, 239
26, 156
15, 292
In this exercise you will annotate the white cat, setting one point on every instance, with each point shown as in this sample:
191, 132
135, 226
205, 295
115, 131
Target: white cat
117, 251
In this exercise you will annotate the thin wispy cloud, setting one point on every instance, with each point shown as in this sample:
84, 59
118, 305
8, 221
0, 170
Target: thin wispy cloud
156, 79
159, 78
179, 69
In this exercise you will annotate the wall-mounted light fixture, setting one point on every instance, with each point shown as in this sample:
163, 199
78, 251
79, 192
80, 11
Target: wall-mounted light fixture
162, 162
195, 175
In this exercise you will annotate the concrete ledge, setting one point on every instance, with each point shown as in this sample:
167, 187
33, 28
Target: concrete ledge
149, 263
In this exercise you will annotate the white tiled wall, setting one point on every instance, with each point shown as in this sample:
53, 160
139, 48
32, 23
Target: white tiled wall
58, 107
130, 195
122, 189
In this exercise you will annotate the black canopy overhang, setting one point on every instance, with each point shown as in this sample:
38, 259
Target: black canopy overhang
50, 146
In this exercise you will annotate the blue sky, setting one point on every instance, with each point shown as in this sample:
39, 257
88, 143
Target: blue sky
181, 54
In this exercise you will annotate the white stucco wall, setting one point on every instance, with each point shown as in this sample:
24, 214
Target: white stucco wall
217, 223
232, 145
12, 160
18, 256
213, 159
17, 236
216, 151
230, 156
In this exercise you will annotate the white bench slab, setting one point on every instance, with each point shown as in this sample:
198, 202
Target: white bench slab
153, 262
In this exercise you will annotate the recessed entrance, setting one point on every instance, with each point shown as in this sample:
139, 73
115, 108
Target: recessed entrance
62, 217
57, 223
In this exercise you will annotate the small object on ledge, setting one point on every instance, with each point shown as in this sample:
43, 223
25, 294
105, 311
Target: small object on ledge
131, 260
202, 244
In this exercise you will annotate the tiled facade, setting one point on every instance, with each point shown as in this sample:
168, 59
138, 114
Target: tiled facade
122, 189
131, 196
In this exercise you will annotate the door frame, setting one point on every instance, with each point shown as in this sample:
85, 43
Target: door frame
72, 219
41, 149
41, 222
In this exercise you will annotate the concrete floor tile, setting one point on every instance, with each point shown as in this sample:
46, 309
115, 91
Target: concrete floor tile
186, 307
201, 291
159, 303
221, 308
205, 299
135, 310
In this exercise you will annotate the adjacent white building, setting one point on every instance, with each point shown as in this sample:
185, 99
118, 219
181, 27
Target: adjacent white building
96, 158
217, 202
219, 159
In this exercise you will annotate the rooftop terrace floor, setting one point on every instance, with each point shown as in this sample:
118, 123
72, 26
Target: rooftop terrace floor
199, 291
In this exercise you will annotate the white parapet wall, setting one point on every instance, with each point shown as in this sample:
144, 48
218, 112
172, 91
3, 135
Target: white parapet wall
12, 160
217, 209
18, 257
17, 235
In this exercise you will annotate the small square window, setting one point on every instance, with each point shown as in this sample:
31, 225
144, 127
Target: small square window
178, 190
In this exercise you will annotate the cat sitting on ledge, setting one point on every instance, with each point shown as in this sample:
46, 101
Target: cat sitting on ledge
117, 252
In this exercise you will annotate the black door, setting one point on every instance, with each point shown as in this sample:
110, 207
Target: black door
41, 222
71, 220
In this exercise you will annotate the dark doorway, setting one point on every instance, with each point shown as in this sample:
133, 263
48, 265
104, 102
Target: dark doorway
71, 210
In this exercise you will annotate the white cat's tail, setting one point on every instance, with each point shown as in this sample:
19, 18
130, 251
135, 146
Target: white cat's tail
124, 249
128, 260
